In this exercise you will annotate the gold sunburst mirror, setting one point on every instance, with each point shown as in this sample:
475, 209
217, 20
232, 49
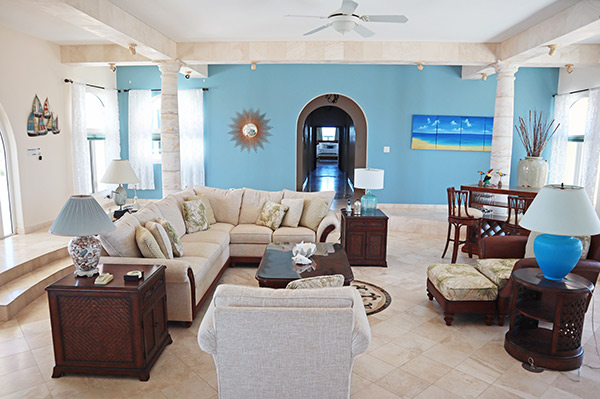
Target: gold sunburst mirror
250, 130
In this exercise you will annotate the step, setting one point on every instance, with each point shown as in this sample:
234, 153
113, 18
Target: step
13, 271
23, 290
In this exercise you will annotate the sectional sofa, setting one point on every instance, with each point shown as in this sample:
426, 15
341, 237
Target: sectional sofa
234, 238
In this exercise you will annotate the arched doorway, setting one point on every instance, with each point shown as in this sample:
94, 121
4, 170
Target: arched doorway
346, 122
6, 226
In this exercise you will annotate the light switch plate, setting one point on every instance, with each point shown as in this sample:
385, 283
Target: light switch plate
386, 148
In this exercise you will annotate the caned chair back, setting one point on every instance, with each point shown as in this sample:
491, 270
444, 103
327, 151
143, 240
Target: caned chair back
517, 206
458, 203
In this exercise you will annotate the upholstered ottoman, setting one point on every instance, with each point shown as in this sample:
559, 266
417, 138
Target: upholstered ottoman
460, 288
498, 271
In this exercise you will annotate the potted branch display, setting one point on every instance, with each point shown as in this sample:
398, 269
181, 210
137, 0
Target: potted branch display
533, 170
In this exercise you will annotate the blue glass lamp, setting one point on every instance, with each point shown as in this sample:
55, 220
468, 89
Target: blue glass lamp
369, 179
560, 212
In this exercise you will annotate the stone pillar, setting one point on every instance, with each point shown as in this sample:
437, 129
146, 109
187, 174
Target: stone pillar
169, 128
503, 121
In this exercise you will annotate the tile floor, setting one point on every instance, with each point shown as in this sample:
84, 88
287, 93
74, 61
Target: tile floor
412, 355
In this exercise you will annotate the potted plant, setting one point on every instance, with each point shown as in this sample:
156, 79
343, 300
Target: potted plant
533, 170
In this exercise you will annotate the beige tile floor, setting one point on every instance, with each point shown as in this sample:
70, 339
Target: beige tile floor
412, 355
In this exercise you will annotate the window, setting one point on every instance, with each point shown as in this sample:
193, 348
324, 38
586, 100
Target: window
327, 133
577, 118
94, 109
156, 145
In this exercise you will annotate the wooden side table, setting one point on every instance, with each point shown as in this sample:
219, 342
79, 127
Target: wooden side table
546, 319
116, 329
364, 238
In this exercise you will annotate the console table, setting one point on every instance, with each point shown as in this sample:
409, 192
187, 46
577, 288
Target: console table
546, 319
116, 329
364, 238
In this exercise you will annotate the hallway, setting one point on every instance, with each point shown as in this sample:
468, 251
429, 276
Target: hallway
327, 177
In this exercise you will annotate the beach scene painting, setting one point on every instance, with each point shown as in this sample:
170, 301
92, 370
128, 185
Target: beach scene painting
455, 133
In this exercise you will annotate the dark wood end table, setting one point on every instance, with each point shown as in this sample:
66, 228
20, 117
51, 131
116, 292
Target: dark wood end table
364, 238
277, 269
115, 329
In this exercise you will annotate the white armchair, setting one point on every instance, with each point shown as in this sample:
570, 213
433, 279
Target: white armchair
277, 344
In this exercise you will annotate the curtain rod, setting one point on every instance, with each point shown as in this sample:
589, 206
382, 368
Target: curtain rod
127, 90
574, 92
88, 85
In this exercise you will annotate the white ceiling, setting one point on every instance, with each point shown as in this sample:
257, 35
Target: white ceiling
265, 20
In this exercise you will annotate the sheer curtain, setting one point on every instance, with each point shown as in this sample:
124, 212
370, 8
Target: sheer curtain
591, 144
558, 159
111, 125
82, 174
191, 136
140, 137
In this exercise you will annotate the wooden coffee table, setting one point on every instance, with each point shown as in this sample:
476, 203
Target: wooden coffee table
277, 269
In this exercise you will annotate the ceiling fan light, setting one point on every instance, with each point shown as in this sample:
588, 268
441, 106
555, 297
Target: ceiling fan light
343, 25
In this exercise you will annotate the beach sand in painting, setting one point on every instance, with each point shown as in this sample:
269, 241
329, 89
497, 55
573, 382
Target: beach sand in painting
418, 144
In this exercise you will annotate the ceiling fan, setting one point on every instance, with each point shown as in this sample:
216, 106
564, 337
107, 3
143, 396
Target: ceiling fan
344, 20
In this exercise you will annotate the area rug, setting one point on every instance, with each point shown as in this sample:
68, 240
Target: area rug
375, 298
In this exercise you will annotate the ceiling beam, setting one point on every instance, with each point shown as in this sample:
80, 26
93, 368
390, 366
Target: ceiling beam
97, 54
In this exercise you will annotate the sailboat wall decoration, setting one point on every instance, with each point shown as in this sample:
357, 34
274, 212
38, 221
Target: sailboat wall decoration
41, 120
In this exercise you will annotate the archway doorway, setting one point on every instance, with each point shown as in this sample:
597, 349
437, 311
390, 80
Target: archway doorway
331, 143
6, 227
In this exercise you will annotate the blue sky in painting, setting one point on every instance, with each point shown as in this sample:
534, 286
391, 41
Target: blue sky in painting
449, 124
473, 125
425, 124
452, 124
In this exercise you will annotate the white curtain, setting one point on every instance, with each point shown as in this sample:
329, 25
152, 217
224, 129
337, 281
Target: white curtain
591, 144
191, 136
82, 174
111, 125
558, 159
140, 137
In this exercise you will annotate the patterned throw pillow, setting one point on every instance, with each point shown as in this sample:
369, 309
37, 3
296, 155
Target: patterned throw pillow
272, 214
210, 215
334, 280
314, 211
173, 237
292, 216
194, 215
161, 237
147, 243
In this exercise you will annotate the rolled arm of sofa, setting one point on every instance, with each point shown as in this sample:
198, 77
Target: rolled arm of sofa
207, 336
176, 271
329, 224
502, 247
361, 336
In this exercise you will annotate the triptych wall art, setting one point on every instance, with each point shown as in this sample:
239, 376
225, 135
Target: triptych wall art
455, 133
41, 120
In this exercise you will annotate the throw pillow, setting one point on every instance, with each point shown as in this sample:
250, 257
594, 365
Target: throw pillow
292, 216
314, 211
335, 280
161, 237
173, 237
585, 245
147, 243
210, 215
194, 215
272, 214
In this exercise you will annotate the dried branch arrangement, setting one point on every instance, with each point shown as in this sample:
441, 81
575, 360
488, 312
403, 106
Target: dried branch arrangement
536, 134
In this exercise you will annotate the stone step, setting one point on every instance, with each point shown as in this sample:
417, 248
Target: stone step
19, 267
19, 292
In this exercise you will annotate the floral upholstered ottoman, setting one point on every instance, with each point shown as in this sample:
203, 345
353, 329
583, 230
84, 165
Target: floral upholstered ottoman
460, 288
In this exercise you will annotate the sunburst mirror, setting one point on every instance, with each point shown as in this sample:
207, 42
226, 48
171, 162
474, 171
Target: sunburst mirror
250, 130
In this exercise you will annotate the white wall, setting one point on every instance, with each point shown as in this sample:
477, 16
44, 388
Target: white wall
32, 66
581, 78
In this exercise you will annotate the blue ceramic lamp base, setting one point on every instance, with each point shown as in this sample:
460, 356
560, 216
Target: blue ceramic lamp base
556, 255
368, 203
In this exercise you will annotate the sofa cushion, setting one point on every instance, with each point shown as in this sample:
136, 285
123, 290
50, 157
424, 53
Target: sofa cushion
194, 215
161, 237
121, 241
315, 209
225, 203
334, 280
226, 227
253, 202
211, 235
147, 244
460, 282
294, 234
180, 195
272, 214
210, 214
148, 213
293, 214
586, 241
207, 250
176, 246
172, 211
250, 234
497, 270
328, 195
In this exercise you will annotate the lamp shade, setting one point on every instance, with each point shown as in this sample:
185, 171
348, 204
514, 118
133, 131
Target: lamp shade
371, 179
562, 210
82, 215
119, 171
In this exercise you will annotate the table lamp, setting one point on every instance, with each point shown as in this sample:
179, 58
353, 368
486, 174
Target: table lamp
83, 217
560, 212
369, 179
120, 172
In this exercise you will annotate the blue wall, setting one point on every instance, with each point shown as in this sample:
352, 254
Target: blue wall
389, 96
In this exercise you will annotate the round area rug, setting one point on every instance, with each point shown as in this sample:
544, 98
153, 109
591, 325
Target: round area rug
375, 298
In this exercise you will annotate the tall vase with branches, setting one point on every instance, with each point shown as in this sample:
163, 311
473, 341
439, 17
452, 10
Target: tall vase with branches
534, 134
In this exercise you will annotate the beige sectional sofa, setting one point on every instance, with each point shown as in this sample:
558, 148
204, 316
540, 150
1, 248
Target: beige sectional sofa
206, 254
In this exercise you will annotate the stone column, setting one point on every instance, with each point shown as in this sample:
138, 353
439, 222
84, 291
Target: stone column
169, 128
503, 121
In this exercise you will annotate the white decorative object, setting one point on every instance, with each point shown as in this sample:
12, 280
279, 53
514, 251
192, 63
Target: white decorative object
140, 137
191, 136
532, 172
306, 249
301, 260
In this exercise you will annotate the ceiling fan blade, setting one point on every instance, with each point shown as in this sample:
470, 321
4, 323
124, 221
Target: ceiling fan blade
364, 32
348, 6
400, 19
320, 28
305, 16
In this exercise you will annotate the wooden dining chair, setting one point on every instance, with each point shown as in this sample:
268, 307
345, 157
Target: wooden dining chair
459, 215
517, 206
